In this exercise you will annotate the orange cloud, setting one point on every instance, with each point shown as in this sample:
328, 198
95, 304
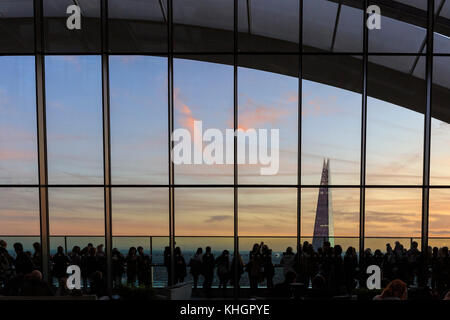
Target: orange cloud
257, 115
186, 120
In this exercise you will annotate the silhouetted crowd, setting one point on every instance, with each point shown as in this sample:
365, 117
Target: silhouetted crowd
321, 273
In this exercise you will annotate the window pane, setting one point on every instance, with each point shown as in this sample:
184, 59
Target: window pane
395, 108
340, 204
140, 212
268, 212
204, 96
319, 17
139, 111
76, 211
137, 25
59, 38
440, 215
18, 144
399, 32
331, 119
204, 212
393, 212
261, 29
331, 26
203, 25
441, 35
74, 119
19, 211
440, 123
268, 102
16, 26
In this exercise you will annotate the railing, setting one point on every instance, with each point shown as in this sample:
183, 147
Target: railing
154, 247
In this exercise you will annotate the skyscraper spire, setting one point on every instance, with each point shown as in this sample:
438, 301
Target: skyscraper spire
323, 226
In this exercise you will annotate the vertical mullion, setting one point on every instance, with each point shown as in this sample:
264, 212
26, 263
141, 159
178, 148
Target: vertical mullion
427, 130
106, 144
235, 165
42, 139
299, 125
170, 143
362, 195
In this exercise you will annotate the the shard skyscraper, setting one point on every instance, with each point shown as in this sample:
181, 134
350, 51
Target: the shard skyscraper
323, 226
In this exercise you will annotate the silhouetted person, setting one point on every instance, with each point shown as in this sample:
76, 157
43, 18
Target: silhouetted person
195, 265
132, 266
6, 265
180, 266
283, 290
34, 286
267, 265
22, 263
350, 266
240, 271
101, 259
208, 269
254, 267
288, 261
98, 284
142, 269
118, 266
60, 263
37, 256
91, 263
167, 257
395, 290
223, 269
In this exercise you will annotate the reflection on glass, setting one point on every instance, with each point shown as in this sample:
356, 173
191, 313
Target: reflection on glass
16, 26
319, 17
137, 26
268, 101
203, 25
331, 123
396, 36
439, 223
19, 211
440, 123
261, 28
74, 119
138, 89
393, 212
76, 211
59, 38
343, 208
204, 212
441, 36
140, 212
18, 146
332, 26
204, 95
267, 212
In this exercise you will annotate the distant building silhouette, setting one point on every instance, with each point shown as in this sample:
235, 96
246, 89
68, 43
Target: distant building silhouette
323, 226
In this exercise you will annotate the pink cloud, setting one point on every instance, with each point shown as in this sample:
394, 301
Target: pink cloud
17, 155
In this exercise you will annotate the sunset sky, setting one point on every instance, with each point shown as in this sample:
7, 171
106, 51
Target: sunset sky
331, 121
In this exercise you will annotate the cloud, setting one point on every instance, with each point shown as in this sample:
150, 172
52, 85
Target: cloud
186, 119
214, 219
253, 114
17, 155
320, 106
